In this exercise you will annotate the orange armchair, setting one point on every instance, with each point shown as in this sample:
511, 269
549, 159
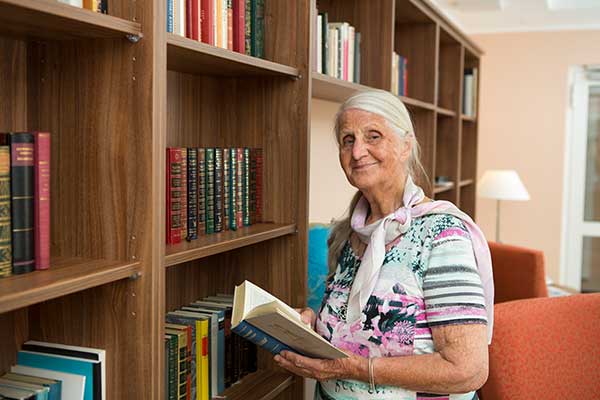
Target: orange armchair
519, 273
545, 348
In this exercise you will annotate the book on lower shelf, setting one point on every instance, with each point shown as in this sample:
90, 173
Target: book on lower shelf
99, 6
56, 371
270, 323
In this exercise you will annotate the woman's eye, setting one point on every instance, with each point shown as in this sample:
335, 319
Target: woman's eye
373, 135
348, 141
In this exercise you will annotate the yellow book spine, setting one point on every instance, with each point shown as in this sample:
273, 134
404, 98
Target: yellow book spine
204, 343
219, 23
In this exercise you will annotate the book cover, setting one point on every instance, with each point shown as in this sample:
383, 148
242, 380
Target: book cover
5, 213
218, 188
357, 38
22, 202
192, 194
181, 356
184, 193
272, 324
210, 190
72, 385
12, 393
196, 33
230, 24
67, 365
201, 176
226, 189
188, 335
324, 43
96, 356
207, 25
232, 188
173, 196
239, 26
170, 16
41, 212
219, 23
53, 385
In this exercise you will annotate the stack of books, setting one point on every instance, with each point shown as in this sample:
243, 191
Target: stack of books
337, 49
237, 25
100, 6
399, 75
470, 92
211, 190
202, 357
52, 371
24, 202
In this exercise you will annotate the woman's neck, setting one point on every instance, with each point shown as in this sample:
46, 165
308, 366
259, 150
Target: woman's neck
384, 202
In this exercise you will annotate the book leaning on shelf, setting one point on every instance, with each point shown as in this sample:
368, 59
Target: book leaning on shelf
263, 319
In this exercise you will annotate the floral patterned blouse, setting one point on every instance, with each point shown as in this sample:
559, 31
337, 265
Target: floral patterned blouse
429, 278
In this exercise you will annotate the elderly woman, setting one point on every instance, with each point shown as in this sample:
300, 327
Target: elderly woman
410, 278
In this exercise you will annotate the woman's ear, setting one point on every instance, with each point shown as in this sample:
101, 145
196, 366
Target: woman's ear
405, 148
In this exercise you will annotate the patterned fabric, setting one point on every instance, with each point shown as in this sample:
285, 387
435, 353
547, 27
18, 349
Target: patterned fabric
428, 278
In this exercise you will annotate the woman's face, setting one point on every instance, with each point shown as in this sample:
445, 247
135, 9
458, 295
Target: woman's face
371, 154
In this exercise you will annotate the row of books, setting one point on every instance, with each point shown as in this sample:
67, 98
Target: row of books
202, 356
210, 190
399, 75
337, 49
52, 371
237, 25
24, 202
100, 6
470, 92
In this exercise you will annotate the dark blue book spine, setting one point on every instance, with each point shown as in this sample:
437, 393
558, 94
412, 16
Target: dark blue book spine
260, 338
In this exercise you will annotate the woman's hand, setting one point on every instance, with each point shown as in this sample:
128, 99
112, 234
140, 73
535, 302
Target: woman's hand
308, 316
352, 367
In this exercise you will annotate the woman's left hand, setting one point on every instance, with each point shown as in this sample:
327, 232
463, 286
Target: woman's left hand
321, 369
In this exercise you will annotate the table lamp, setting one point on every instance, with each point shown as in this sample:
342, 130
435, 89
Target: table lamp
501, 184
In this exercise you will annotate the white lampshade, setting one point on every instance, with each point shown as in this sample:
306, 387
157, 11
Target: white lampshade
502, 184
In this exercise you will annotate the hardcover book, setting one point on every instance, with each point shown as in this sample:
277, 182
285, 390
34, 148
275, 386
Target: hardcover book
270, 323
5, 214
42, 199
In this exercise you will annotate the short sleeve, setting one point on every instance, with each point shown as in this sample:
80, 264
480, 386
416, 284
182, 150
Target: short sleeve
452, 287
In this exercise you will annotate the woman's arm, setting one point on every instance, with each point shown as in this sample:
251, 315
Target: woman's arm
459, 364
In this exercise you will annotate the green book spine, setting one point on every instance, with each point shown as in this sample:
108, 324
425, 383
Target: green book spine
226, 189
258, 28
246, 187
201, 192
171, 356
248, 28
210, 190
232, 188
5, 229
192, 182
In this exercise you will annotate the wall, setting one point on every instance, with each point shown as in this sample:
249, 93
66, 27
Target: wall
524, 96
330, 192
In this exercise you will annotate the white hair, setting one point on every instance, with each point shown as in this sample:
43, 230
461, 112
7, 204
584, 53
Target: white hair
396, 116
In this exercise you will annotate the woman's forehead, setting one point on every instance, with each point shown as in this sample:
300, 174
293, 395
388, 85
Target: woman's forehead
355, 116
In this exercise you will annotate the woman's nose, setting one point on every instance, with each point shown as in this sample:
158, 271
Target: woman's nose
359, 149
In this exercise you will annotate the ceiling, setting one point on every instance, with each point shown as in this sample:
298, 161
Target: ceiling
493, 16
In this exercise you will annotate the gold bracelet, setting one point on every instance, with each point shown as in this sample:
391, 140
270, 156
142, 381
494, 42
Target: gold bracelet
371, 374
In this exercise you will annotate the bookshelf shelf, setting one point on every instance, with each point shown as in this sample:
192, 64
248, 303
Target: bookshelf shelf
466, 182
261, 385
468, 118
446, 112
217, 243
190, 56
443, 188
326, 87
50, 19
65, 276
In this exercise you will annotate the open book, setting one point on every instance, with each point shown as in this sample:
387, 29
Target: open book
270, 323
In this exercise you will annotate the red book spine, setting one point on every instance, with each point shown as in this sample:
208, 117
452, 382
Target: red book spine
173, 195
183, 198
239, 26
188, 19
42, 199
207, 22
196, 19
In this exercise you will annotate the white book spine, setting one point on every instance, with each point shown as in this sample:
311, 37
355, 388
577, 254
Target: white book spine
224, 24
351, 54
181, 18
332, 51
215, 25
75, 3
319, 44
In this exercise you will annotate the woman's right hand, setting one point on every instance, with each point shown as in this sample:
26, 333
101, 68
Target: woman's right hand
308, 316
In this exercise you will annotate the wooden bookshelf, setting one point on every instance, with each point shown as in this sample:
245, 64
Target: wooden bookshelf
437, 53
120, 91
51, 19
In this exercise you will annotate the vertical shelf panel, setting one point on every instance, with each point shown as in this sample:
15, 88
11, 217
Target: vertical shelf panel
424, 124
447, 142
449, 72
415, 37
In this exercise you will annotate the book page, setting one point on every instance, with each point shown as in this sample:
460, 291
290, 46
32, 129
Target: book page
255, 296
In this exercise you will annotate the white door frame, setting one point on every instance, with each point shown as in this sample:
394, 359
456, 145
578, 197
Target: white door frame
574, 226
